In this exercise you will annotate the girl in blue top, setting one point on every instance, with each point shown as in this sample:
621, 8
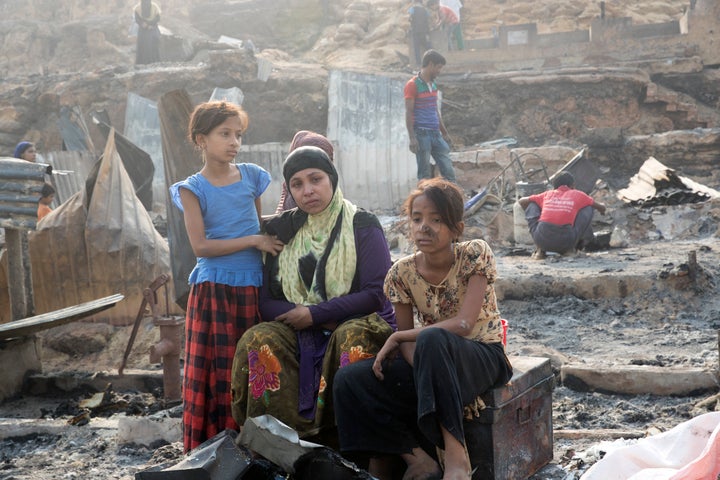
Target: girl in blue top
221, 206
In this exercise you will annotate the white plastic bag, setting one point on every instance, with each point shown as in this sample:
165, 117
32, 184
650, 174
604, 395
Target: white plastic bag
689, 451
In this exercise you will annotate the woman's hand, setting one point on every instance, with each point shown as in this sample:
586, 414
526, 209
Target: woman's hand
388, 351
269, 244
299, 318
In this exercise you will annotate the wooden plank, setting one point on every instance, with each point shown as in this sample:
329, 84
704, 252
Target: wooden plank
27, 326
598, 434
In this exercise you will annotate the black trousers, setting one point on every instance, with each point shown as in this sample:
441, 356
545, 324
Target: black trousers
398, 414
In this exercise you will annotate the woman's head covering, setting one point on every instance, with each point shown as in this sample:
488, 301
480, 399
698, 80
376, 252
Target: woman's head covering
20, 149
305, 138
309, 157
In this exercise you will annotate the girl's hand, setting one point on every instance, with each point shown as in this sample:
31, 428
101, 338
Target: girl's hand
269, 244
299, 318
388, 351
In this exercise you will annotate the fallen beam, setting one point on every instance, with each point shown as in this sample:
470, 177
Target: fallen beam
30, 325
598, 434
639, 379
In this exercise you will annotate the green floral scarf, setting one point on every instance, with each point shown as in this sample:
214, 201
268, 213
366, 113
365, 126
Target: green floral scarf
319, 262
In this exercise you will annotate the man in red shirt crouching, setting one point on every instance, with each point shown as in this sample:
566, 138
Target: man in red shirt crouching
559, 220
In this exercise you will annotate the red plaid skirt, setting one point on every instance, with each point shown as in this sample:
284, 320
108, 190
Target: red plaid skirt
217, 316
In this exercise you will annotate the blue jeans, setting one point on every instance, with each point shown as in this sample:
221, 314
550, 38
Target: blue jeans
431, 143
420, 46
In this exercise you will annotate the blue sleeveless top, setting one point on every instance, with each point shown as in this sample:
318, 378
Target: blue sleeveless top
228, 212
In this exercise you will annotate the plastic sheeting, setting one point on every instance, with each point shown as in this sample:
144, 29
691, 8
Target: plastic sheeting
690, 451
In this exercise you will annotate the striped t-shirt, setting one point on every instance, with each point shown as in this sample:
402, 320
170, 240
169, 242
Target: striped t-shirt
426, 97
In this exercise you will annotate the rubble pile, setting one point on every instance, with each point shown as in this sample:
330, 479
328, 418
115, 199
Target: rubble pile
655, 184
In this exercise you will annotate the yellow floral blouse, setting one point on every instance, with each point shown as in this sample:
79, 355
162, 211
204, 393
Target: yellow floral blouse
435, 303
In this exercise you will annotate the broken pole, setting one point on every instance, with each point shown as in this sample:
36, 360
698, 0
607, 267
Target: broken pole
692, 265
16, 274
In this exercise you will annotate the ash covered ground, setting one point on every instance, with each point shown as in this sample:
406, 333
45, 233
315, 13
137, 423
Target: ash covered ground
668, 327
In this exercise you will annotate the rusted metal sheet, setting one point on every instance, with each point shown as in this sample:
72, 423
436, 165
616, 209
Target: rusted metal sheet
28, 326
585, 172
512, 437
138, 164
271, 157
180, 162
20, 185
98, 244
656, 184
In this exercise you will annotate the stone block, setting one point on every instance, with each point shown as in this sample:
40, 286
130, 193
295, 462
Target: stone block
149, 430
19, 357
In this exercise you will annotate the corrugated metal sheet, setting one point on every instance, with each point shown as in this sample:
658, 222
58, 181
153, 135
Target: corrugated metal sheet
180, 161
20, 185
70, 170
656, 184
142, 128
269, 156
366, 124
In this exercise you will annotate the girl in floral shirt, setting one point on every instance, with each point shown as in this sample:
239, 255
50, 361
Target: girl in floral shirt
447, 351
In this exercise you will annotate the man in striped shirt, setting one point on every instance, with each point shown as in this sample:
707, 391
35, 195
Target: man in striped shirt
428, 136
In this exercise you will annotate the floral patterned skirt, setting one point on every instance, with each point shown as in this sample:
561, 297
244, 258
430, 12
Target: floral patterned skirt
265, 371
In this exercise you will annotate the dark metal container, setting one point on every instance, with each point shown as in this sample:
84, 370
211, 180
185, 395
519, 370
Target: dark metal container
512, 438
584, 170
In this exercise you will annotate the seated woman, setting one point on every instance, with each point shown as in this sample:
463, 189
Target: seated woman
394, 405
322, 302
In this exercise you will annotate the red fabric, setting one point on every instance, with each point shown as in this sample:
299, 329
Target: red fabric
43, 210
410, 90
217, 316
560, 206
447, 15
305, 138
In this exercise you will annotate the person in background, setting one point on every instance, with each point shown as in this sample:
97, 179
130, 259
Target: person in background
25, 151
560, 219
448, 18
426, 380
301, 139
425, 127
47, 195
221, 208
419, 29
147, 16
322, 302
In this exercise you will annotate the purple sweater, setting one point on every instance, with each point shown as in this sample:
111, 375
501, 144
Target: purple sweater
366, 295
